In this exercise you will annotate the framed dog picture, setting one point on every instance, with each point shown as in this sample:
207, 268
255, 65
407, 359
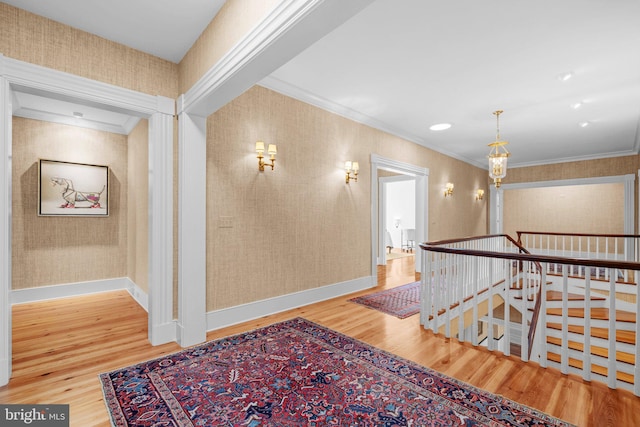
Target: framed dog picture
72, 189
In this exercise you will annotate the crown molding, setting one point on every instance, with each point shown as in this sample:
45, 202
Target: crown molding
295, 92
47, 116
574, 159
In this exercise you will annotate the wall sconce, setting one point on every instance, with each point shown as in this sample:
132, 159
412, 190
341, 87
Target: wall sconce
479, 194
396, 222
272, 151
349, 167
448, 190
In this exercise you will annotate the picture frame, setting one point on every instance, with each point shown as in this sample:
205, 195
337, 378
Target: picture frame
72, 189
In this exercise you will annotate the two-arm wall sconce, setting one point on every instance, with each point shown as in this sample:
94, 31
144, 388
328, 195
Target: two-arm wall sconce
448, 190
349, 167
272, 151
479, 194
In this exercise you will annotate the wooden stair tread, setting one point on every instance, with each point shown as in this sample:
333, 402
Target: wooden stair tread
628, 337
595, 350
518, 285
598, 313
594, 368
593, 278
557, 296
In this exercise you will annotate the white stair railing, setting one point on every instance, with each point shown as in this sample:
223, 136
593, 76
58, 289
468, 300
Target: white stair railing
615, 247
472, 288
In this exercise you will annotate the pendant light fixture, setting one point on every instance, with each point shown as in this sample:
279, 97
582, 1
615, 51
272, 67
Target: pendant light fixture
498, 155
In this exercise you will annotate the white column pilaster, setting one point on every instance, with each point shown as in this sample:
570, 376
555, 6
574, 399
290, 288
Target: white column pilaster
5, 229
192, 228
161, 325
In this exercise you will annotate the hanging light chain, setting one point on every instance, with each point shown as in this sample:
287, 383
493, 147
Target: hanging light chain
497, 114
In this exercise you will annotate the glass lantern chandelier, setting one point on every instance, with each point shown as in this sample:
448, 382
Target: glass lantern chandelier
498, 155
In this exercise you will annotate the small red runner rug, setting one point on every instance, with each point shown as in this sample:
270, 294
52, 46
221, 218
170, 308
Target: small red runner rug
298, 373
401, 301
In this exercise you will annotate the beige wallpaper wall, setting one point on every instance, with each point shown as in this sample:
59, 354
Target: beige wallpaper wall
234, 20
55, 250
138, 205
300, 226
296, 228
570, 170
597, 208
41, 41
590, 207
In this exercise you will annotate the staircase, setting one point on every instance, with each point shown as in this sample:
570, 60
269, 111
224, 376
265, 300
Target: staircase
596, 365
566, 323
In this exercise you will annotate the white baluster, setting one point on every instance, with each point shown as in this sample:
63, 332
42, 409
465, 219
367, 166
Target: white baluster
564, 361
611, 365
586, 371
636, 370
524, 336
542, 329
474, 325
508, 279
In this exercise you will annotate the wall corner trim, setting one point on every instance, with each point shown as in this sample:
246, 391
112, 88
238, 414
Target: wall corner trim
241, 313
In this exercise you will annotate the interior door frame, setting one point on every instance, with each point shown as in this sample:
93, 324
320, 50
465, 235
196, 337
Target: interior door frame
21, 76
421, 176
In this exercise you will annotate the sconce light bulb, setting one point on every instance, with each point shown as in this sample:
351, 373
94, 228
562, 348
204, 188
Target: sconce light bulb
349, 167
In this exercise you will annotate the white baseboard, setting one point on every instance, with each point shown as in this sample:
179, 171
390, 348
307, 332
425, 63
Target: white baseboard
164, 333
215, 319
141, 297
66, 290
241, 313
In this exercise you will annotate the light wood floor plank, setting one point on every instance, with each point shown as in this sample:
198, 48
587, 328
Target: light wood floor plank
61, 346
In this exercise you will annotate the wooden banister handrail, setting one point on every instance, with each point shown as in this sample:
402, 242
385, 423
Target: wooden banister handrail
470, 239
623, 265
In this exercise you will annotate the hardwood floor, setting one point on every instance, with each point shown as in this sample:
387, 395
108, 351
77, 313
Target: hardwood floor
60, 347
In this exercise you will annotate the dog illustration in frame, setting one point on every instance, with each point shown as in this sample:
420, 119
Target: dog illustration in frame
72, 189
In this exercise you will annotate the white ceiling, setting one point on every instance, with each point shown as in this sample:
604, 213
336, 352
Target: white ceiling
164, 28
403, 65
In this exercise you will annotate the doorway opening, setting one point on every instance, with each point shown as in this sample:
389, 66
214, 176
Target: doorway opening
386, 173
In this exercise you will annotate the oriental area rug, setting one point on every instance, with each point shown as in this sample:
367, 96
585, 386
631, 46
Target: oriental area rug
401, 301
298, 373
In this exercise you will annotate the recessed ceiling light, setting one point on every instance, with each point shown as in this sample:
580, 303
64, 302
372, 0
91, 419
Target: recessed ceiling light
565, 76
440, 126
584, 124
576, 105
78, 115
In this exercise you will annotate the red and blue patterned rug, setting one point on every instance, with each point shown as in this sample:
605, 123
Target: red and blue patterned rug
401, 301
298, 373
